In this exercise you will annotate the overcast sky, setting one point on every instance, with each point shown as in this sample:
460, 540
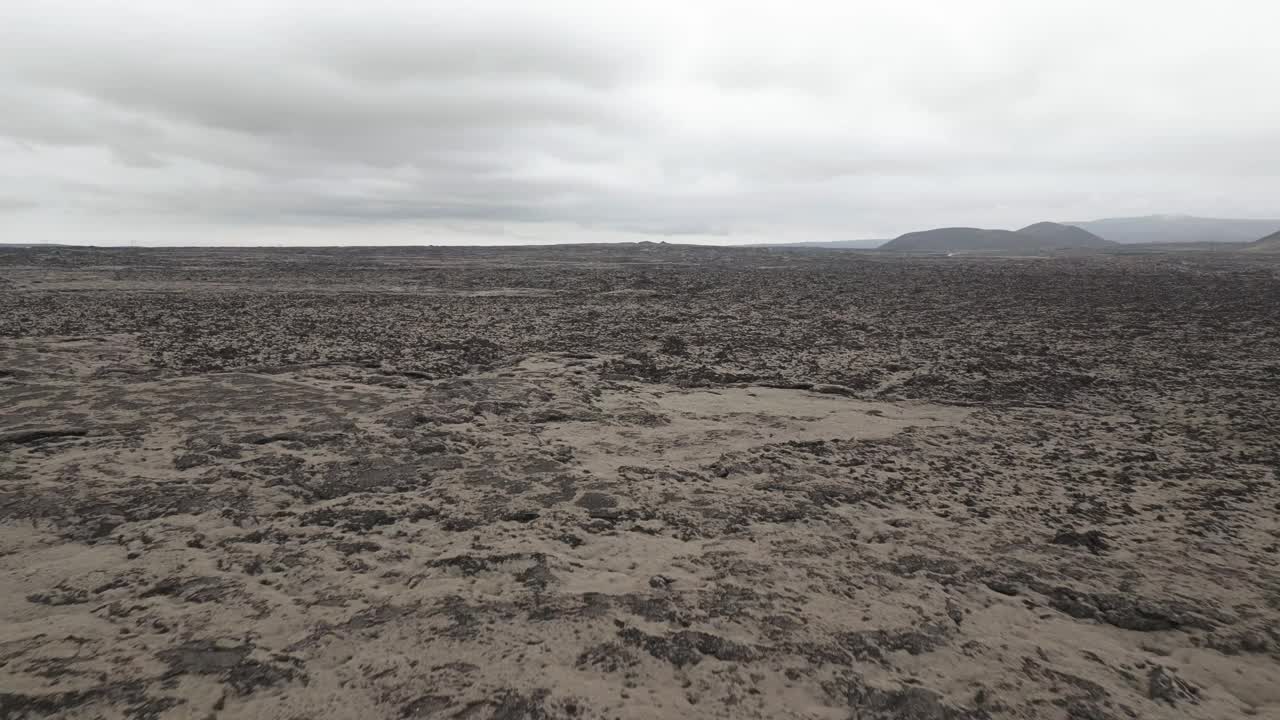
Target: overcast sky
168, 122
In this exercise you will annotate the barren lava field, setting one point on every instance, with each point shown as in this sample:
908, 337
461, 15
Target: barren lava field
640, 481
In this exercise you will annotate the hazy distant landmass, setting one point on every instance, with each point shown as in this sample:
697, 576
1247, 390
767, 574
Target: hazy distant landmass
1156, 230
1154, 233
1033, 238
1179, 229
834, 244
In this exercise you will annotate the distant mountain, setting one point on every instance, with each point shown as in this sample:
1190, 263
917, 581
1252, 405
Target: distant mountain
1033, 238
1057, 235
954, 239
834, 244
1178, 229
1270, 244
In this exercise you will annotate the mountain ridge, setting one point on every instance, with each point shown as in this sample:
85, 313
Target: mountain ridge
1037, 237
1165, 229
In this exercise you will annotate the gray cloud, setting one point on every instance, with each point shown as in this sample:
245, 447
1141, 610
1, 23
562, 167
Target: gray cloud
585, 120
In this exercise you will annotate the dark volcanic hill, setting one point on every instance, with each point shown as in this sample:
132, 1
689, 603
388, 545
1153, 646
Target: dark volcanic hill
1270, 243
954, 239
1059, 236
1033, 238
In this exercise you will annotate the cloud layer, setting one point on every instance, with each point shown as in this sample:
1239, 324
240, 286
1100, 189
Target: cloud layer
510, 121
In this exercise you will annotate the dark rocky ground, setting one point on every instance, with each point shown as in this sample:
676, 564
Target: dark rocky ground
637, 481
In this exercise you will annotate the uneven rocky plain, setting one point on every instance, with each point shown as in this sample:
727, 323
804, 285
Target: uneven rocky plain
642, 481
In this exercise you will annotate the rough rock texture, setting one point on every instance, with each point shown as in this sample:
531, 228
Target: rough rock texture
637, 481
